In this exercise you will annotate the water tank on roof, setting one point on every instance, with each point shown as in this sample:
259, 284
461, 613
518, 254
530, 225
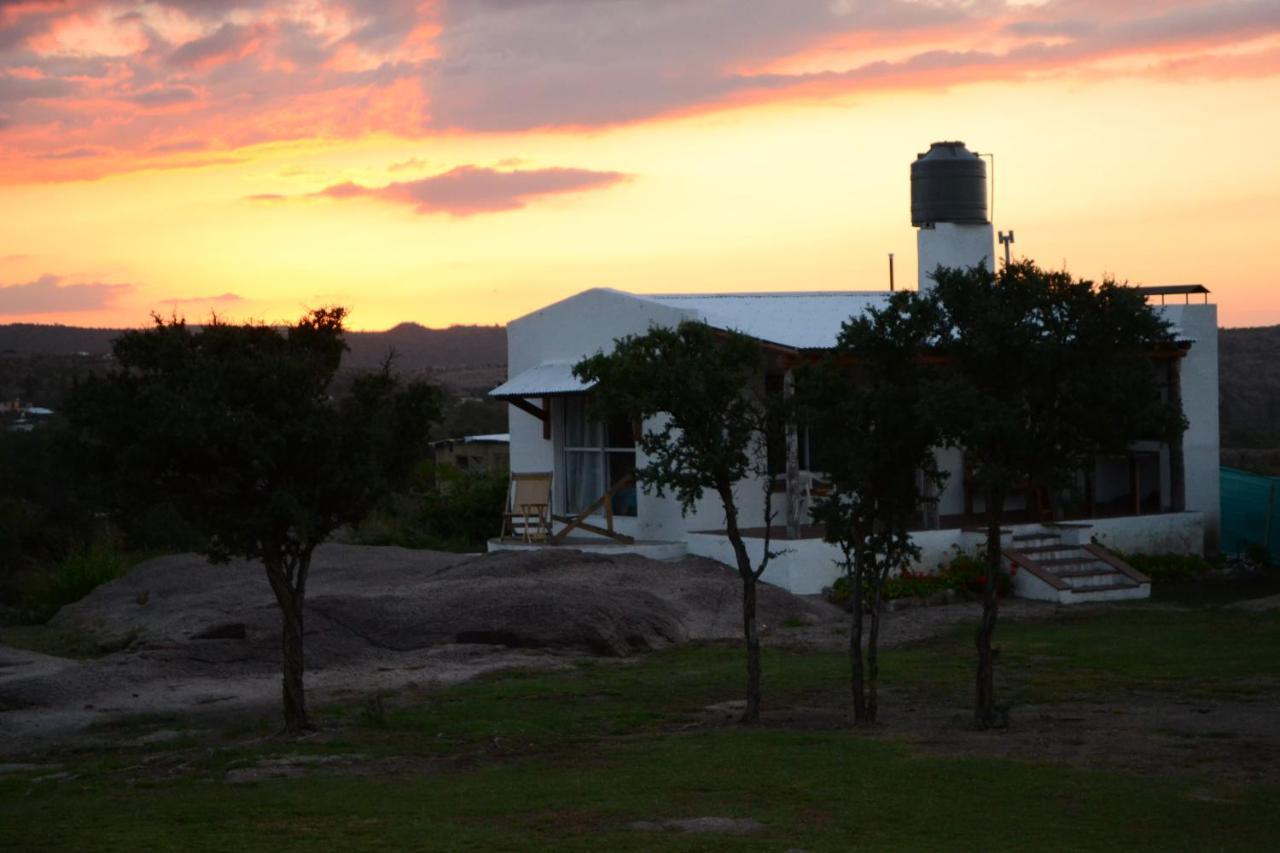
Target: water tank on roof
949, 184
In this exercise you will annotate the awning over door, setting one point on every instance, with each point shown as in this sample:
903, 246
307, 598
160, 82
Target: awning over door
548, 379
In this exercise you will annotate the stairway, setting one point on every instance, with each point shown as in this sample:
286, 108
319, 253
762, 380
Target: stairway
1050, 568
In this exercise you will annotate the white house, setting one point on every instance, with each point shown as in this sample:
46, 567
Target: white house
1135, 504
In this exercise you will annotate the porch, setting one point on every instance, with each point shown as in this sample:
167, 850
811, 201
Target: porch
806, 565
651, 548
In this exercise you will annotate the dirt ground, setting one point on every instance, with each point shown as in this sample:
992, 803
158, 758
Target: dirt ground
200, 640
385, 620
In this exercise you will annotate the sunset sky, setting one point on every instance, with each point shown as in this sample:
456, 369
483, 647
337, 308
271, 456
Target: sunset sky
467, 161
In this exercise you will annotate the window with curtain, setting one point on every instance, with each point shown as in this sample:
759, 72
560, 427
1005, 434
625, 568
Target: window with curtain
596, 455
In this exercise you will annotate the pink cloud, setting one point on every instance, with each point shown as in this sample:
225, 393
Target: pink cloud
127, 79
471, 190
49, 295
219, 299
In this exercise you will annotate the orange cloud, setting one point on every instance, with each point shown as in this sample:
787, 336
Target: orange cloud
129, 80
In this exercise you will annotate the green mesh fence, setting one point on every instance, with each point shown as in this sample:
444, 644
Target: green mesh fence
1250, 512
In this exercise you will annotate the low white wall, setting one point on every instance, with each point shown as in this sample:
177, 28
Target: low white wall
1171, 533
807, 566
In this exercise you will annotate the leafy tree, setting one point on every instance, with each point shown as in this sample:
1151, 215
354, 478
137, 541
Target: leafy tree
236, 427
46, 510
1043, 373
867, 400
703, 387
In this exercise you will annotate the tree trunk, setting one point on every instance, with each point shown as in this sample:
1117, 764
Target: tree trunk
856, 670
1091, 488
873, 649
290, 587
295, 703
752, 712
1177, 458
793, 461
750, 632
984, 714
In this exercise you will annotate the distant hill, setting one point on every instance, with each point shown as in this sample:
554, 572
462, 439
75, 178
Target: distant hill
1249, 387
34, 339
37, 361
472, 359
417, 345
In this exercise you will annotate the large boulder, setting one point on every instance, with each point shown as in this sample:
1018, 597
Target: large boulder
365, 598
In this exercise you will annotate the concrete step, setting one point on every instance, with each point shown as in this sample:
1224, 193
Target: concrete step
1088, 571
1080, 559
1027, 537
1091, 582
1111, 587
1038, 551
1071, 574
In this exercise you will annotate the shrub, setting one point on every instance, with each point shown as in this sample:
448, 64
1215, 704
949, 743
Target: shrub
1169, 567
906, 584
1258, 554
462, 515
968, 573
909, 584
75, 576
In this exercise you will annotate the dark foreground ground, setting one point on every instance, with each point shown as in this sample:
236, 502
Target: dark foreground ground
1151, 726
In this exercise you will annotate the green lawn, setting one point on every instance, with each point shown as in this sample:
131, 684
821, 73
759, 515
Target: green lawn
566, 760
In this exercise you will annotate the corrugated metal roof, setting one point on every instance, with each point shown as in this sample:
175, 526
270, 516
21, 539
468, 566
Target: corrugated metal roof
1171, 289
491, 438
546, 379
796, 320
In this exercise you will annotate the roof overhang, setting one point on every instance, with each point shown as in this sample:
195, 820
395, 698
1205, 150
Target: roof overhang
549, 379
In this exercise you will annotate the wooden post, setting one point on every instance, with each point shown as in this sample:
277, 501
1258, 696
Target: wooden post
1177, 462
793, 461
1135, 494
1271, 507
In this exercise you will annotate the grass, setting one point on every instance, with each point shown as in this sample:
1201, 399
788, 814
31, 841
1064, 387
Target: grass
1081, 656
824, 791
565, 760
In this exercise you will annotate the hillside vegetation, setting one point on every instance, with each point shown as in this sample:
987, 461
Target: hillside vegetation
1249, 387
37, 362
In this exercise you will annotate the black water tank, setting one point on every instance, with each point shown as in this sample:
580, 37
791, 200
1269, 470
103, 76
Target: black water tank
948, 184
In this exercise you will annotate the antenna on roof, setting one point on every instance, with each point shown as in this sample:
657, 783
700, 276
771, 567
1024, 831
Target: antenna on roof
1005, 240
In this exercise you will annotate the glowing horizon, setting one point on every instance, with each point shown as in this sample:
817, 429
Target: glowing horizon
454, 163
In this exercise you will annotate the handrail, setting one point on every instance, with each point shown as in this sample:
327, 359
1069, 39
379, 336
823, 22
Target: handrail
1026, 563
580, 520
1116, 563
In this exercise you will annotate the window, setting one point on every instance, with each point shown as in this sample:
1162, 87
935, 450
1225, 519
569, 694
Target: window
596, 456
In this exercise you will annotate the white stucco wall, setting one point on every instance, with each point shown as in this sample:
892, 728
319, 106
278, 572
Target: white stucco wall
1170, 533
807, 566
950, 245
1200, 443
578, 327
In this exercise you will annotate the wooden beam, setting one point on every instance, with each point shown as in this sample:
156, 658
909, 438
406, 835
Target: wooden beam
591, 528
580, 520
543, 414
